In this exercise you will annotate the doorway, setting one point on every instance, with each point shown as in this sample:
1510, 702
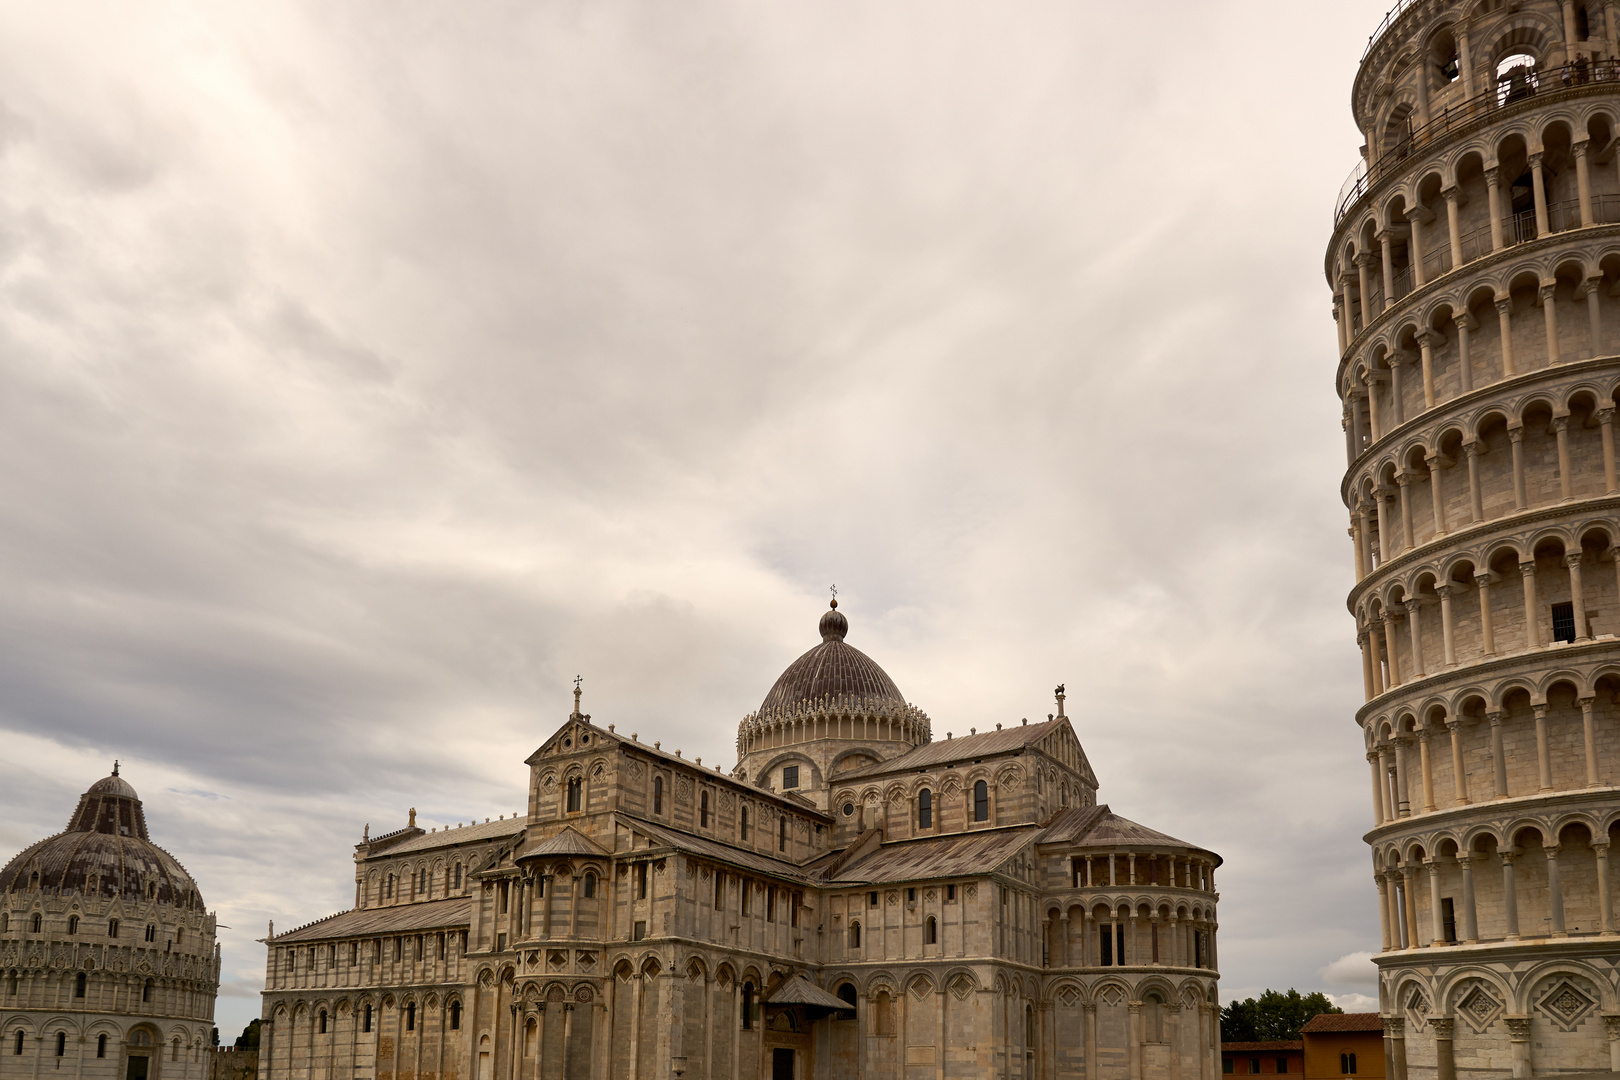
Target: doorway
138, 1064
782, 1063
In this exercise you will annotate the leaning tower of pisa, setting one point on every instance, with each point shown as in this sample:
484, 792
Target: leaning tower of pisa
1475, 269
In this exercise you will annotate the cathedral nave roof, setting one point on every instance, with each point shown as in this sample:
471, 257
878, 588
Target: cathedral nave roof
715, 850
467, 834
455, 914
950, 751
952, 855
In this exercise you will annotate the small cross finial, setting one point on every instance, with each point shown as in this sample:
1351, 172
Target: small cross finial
577, 680
835, 596
575, 715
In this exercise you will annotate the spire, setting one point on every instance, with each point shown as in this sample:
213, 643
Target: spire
576, 714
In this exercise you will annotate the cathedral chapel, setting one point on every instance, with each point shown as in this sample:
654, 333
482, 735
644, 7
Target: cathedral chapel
854, 899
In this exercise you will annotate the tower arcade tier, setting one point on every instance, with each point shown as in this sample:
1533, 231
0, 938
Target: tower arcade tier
1475, 263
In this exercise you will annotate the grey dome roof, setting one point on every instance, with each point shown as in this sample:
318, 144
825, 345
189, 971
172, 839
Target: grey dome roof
107, 840
833, 670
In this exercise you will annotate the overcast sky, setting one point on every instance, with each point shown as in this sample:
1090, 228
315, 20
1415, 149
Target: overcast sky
370, 370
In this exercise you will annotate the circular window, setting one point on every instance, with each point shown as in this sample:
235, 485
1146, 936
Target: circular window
849, 809
568, 742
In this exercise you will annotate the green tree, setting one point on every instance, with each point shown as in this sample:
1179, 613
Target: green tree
1272, 1016
249, 1039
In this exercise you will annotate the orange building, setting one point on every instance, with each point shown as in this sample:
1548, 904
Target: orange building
1271, 1058
1342, 1045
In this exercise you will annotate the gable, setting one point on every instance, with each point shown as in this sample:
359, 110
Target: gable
1064, 746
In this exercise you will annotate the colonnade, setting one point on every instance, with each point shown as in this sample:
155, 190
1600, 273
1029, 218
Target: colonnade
1174, 939
1381, 662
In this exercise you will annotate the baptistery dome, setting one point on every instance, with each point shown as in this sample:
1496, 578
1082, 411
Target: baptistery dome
107, 955
105, 851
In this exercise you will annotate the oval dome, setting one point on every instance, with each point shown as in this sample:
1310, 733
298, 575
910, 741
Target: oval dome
106, 840
832, 670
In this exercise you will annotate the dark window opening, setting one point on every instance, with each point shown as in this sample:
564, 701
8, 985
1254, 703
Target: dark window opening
78, 985
1282, 1065
981, 801
925, 809
790, 777
1448, 919
1563, 622
590, 885
854, 935
322, 1030
658, 794
1254, 1066
641, 881
703, 810
1107, 947
575, 784
871, 899
1226, 1064
931, 931
61, 1043
410, 1017
950, 892
366, 1025
745, 829
640, 930
101, 1046
1119, 945
748, 1006
455, 1016
781, 833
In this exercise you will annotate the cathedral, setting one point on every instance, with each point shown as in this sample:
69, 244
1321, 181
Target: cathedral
854, 899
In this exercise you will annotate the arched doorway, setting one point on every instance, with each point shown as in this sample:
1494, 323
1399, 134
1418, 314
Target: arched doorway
141, 1056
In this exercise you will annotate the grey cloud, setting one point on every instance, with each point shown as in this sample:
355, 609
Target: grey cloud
370, 372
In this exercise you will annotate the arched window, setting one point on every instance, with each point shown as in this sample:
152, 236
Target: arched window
781, 833
590, 884
882, 1014
112, 928
151, 932
410, 1017
174, 1054
575, 784
703, 810
458, 875
658, 794
855, 935
744, 820
146, 991
846, 992
61, 1043
323, 1022
748, 1006
925, 809
981, 801
931, 931
455, 1016
151, 890
101, 1046
38, 922
78, 984
73, 924
1029, 1026
366, 1024
179, 933
19, 1045
389, 895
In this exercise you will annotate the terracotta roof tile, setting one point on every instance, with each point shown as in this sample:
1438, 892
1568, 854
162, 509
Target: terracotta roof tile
453, 914
941, 751
1323, 1022
957, 855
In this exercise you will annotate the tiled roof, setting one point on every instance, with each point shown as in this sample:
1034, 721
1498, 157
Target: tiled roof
801, 991
1084, 827
957, 855
467, 834
717, 850
1269, 1046
453, 914
566, 842
1325, 1022
832, 671
943, 751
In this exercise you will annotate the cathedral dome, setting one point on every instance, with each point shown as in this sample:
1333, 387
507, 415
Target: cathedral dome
833, 671
105, 844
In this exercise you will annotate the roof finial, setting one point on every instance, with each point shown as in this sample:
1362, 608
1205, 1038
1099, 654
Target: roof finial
835, 596
1059, 693
576, 713
115, 766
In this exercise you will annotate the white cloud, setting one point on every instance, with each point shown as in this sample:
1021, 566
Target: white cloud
1352, 1003
1352, 969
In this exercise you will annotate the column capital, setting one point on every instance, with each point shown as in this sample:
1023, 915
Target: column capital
1465, 318
1405, 477
1504, 305
1611, 1025
1586, 703
1441, 1026
1450, 193
1443, 590
1605, 414
1366, 259
1572, 558
1545, 289
1539, 711
1535, 160
1589, 284
1494, 716
1454, 723
1527, 567
1413, 604
1507, 857
1518, 1028
1429, 337
1394, 1027
1560, 423
1516, 433
1580, 146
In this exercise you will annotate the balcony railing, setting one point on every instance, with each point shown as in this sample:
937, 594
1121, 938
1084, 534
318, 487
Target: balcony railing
1389, 20
1519, 85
